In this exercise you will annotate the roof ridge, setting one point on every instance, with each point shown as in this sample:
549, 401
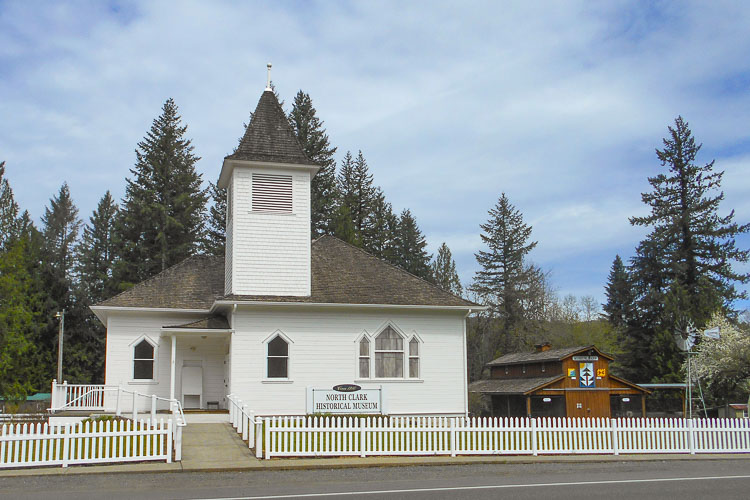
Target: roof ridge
152, 278
396, 267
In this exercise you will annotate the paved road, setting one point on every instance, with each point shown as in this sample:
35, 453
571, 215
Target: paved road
684, 480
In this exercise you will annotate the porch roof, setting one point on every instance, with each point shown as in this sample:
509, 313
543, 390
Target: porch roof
518, 386
215, 322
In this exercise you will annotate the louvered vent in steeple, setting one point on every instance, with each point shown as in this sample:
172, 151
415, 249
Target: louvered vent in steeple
272, 193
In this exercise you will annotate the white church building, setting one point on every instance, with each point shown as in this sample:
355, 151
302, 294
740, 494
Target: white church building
281, 315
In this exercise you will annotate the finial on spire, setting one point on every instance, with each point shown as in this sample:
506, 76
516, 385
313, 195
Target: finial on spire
268, 82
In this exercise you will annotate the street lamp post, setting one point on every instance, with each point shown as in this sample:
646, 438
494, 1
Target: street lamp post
60, 315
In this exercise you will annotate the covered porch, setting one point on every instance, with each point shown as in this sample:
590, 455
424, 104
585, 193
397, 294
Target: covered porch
199, 363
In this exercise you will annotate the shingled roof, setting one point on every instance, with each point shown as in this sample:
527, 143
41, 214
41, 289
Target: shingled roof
511, 385
269, 137
341, 274
194, 283
550, 355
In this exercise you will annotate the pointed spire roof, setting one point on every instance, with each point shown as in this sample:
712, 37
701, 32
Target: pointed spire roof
269, 137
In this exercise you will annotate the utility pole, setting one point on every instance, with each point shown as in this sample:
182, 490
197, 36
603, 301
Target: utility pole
60, 315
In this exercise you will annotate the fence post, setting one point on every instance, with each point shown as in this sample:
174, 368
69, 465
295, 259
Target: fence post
259, 437
177, 442
135, 408
245, 423
118, 408
452, 423
55, 395
169, 438
615, 442
65, 393
691, 437
267, 439
153, 409
66, 446
251, 429
533, 437
231, 410
362, 438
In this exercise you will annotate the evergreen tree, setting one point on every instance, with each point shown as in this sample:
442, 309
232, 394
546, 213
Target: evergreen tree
699, 244
619, 295
216, 227
60, 229
344, 228
683, 269
411, 253
96, 252
17, 322
161, 220
314, 141
505, 280
380, 236
9, 220
357, 192
444, 271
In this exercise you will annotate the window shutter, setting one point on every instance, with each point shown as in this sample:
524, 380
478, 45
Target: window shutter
272, 193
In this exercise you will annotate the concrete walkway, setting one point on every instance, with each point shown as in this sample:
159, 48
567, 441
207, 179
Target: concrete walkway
207, 447
217, 447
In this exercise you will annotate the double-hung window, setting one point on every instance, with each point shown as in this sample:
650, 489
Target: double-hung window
143, 360
278, 358
364, 358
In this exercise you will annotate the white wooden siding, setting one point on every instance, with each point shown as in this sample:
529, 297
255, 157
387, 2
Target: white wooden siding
324, 353
269, 253
124, 328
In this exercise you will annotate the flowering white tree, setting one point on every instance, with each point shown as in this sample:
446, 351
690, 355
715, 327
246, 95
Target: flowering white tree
725, 362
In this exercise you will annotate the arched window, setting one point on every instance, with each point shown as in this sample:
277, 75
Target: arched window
143, 360
278, 358
389, 354
364, 358
414, 358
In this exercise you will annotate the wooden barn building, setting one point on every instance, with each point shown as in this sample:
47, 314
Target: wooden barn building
572, 382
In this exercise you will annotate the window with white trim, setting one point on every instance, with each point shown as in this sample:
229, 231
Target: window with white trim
389, 354
143, 360
414, 358
278, 358
364, 358
272, 193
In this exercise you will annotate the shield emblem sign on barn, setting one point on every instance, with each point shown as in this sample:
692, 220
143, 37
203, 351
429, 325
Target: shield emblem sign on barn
587, 378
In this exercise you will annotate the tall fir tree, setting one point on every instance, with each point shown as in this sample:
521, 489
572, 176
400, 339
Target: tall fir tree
699, 243
97, 252
411, 247
505, 279
684, 268
216, 225
162, 215
314, 141
380, 237
60, 228
619, 295
444, 271
357, 192
18, 319
9, 219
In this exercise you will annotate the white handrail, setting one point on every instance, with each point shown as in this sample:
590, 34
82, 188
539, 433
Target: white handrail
174, 405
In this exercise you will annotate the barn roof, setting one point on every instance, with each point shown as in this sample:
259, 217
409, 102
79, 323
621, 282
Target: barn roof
550, 355
341, 274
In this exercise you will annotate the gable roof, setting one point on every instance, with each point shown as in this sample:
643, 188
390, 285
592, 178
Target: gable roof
512, 385
550, 355
269, 137
341, 274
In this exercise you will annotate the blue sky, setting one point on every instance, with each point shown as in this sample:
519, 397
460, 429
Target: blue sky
558, 104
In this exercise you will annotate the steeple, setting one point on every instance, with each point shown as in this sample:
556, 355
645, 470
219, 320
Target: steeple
268, 207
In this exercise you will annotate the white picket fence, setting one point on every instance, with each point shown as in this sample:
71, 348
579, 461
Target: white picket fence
34, 445
341, 436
